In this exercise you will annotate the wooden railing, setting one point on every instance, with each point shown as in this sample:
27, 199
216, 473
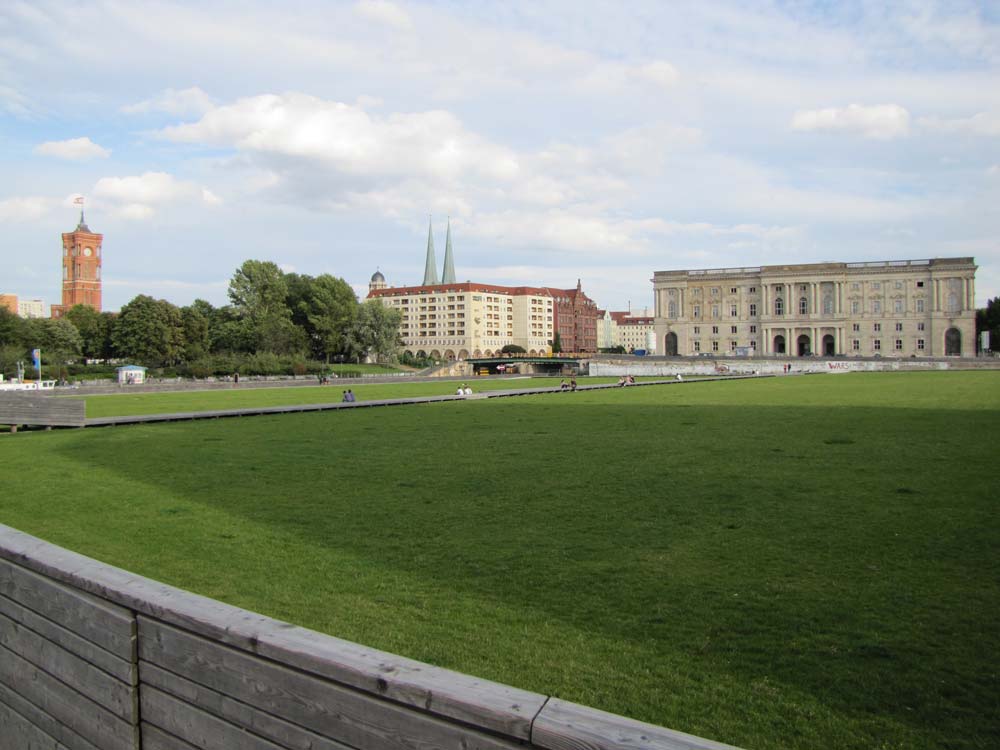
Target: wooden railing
92, 656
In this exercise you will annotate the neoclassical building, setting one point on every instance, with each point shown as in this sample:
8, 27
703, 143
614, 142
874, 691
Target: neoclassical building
918, 308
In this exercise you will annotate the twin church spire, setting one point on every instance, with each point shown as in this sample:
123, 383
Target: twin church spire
430, 265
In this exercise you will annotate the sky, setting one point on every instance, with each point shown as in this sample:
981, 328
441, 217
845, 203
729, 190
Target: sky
563, 139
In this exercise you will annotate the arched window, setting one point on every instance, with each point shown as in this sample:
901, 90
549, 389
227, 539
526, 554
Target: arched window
779, 306
803, 306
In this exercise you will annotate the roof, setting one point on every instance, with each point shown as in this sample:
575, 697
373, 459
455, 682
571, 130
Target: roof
133, 367
466, 286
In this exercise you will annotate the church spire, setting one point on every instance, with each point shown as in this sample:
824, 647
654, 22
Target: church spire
449, 260
430, 267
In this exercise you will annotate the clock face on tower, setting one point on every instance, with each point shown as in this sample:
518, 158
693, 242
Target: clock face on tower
87, 251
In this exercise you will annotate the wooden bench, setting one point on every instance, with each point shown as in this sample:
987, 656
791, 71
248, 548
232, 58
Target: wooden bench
26, 408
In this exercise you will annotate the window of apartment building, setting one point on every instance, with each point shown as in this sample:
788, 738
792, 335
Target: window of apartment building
855, 345
671, 309
828, 305
732, 346
753, 329
753, 345
897, 306
715, 346
856, 327
697, 346
753, 290
920, 345
877, 345
855, 286
715, 311
877, 327
779, 306
753, 309
899, 284
697, 329
876, 306
920, 285
899, 326
899, 345
715, 329
876, 285
952, 305
920, 326
732, 290
732, 329
697, 311
920, 305
715, 291
855, 307
803, 306
733, 312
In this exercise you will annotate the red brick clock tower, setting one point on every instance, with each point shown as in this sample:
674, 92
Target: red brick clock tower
81, 264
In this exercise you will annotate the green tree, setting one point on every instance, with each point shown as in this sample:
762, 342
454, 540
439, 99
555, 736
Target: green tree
988, 319
513, 349
149, 331
93, 327
259, 291
12, 329
557, 343
197, 342
58, 339
330, 307
374, 332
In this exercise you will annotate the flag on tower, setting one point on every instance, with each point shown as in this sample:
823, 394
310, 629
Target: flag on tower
78, 200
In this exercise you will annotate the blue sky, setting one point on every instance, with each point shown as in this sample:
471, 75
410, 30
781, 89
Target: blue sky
565, 139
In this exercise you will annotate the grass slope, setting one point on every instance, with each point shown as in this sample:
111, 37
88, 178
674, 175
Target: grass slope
805, 562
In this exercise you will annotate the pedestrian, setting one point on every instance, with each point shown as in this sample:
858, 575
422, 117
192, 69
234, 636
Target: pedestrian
572, 384
236, 378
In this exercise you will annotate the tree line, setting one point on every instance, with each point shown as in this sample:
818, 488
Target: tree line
270, 313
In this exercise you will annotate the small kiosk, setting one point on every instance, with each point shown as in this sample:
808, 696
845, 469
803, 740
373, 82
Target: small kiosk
131, 375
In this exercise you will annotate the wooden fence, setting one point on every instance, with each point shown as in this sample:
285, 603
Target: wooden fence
95, 658
26, 408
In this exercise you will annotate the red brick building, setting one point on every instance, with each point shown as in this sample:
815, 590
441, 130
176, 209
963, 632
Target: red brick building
81, 264
576, 317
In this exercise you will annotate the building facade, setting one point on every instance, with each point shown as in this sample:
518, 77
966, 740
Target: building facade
628, 329
908, 308
31, 308
10, 302
81, 268
459, 321
576, 317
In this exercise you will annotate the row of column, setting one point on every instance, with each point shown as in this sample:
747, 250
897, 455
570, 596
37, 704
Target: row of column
791, 335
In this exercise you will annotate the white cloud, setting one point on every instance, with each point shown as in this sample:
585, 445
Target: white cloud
137, 196
296, 126
882, 121
384, 12
983, 123
28, 208
75, 149
189, 101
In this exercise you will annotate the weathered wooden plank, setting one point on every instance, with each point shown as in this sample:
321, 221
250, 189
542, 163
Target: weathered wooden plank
96, 724
17, 733
568, 726
123, 670
154, 738
240, 714
27, 408
330, 710
99, 686
67, 737
492, 706
196, 727
109, 626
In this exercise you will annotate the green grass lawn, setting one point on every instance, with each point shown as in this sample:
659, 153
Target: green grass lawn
238, 397
803, 562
